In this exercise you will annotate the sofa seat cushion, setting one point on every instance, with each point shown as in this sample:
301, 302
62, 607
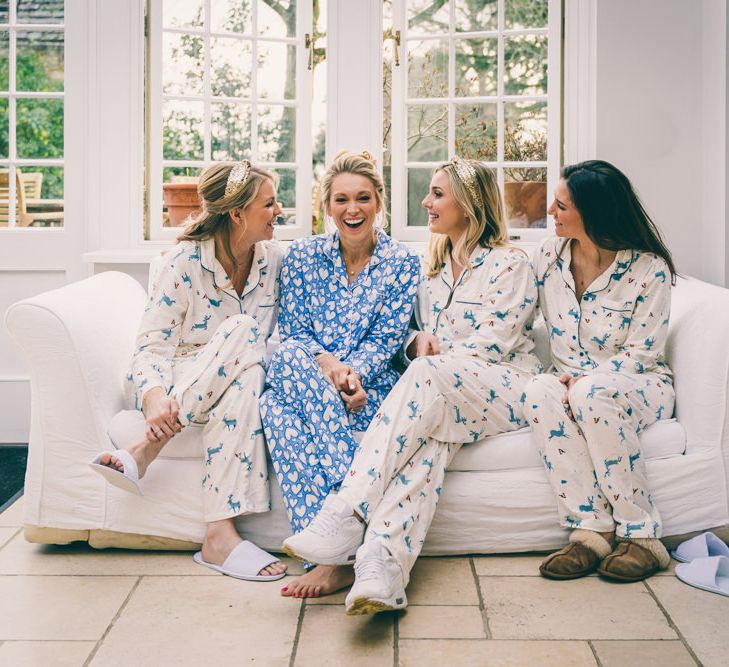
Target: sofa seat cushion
517, 449
507, 451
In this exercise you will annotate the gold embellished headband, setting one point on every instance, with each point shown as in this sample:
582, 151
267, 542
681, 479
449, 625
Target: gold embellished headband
237, 177
467, 174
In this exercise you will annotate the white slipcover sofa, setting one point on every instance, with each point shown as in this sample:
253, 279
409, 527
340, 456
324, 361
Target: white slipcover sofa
496, 498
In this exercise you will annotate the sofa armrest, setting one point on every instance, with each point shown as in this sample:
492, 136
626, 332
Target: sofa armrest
78, 341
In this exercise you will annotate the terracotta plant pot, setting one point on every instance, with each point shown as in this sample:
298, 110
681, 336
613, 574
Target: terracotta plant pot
181, 201
526, 203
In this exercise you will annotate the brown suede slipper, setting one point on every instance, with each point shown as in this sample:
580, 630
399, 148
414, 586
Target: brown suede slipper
571, 562
628, 563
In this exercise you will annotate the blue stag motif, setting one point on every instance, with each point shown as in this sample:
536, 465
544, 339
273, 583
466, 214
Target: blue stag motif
203, 324
512, 417
400, 440
630, 528
600, 341
372, 472
364, 509
186, 279
558, 432
609, 463
589, 507
212, 451
632, 458
593, 390
459, 381
230, 424
625, 321
641, 393
574, 314
494, 348
617, 364
460, 419
492, 395
621, 435
408, 543
470, 317
215, 302
413, 406
659, 412
649, 343
556, 332
661, 275
547, 462
245, 461
221, 371
234, 505
501, 314
402, 479
428, 463
166, 300
167, 333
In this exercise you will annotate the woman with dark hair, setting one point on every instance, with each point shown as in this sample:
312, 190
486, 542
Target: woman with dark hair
604, 290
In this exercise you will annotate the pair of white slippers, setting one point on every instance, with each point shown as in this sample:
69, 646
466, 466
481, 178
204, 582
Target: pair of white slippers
704, 563
244, 562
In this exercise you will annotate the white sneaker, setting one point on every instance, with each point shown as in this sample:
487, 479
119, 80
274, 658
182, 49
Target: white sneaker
378, 583
331, 538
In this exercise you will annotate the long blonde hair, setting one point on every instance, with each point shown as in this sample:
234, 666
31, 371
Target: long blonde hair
214, 221
361, 164
486, 226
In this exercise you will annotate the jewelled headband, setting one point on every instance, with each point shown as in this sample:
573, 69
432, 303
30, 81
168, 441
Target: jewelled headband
467, 175
237, 177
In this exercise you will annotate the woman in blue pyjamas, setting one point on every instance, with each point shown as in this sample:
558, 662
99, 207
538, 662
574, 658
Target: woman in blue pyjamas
199, 359
471, 360
604, 289
346, 301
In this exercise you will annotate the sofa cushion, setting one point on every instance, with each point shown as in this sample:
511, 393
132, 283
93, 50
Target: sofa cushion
500, 452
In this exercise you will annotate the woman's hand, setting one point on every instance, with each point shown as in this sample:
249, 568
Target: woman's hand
568, 381
160, 413
336, 371
354, 397
423, 345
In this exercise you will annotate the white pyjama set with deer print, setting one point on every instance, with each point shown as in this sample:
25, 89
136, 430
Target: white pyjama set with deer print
470, 390
205, 346
614, 337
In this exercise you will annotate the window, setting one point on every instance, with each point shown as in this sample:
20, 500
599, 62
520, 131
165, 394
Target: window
31, 113
228, 80
479, 79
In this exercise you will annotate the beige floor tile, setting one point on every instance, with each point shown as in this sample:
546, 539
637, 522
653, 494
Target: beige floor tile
589, 608
13, 516
492, 653
701, 617
6, 534
442, 623
21, 557
519, 565
436, 581
334, 599
330, 637
60, 608
624, 654
33, 654
202, 621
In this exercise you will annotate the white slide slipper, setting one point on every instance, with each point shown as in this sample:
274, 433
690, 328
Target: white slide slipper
127, 480
244, 562
709, 574
702, 546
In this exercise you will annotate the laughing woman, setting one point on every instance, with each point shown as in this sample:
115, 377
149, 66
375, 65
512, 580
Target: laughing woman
199, 360
346, 300
604, 289
471, 361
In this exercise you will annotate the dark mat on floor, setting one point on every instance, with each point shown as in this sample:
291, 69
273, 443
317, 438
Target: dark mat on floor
12, 472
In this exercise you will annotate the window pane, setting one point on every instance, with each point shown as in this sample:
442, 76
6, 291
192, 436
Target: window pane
182, 13
277, 18
182, 124
4, 60
4, 11
286, 195
39, 128
525, 196
32, 11
230, 74
475, 15
231, 131
428, 17
182, 64
4, 126
40, 61
43, 190
476, 131
525, 65
520, 14
276, 133
276, 71
525, 131
427, 132
476, 67
231, 16
418, 186
428, 68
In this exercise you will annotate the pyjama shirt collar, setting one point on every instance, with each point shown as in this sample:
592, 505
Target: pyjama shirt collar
478, 256
221, 281
383, 249
621, 263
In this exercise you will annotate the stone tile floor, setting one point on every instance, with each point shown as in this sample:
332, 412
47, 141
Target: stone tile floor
76, 606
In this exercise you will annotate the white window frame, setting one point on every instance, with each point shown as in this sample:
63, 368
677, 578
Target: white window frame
12, 161
400, 102
302, 103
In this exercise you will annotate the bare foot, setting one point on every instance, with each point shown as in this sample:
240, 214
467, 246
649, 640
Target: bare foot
322, 580
143, 453
221, 538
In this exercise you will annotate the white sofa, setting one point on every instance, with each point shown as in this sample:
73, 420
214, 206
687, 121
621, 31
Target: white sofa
78, 341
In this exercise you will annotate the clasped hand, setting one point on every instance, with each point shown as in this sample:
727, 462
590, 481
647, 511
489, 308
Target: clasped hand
160, 414
568, 381
423, 345
345, 380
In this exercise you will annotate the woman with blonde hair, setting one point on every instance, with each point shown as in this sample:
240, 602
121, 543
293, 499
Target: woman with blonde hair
470, 362
346, 301
199, 358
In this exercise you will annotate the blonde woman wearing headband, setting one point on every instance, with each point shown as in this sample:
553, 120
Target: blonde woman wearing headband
199, 359
469, 364
346, 301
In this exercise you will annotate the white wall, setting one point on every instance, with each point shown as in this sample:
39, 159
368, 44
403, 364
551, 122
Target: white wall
661, 117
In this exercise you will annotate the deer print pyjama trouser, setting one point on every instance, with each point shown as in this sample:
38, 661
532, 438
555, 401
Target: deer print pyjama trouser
594, 463
440, 403
219, 388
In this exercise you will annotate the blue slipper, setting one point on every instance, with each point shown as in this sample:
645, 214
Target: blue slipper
701, 546
709, 574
